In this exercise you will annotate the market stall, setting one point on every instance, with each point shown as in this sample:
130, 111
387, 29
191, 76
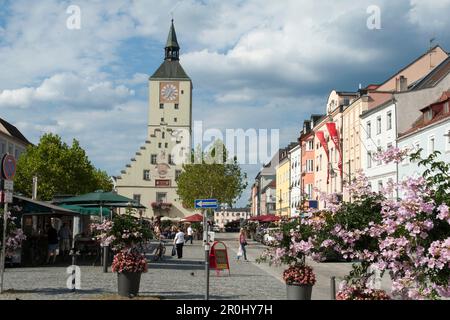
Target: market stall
34, 216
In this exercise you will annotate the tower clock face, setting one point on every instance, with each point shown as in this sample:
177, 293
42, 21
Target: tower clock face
169, 92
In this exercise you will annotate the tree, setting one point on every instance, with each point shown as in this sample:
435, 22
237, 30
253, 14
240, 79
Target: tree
60, 168
211, 175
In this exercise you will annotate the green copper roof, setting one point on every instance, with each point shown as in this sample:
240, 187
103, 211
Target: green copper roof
172, 41
170, 70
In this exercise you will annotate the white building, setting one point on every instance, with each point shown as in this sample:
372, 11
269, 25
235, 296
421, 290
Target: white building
295, 185
431, 132
378, 133
12, 141
224, 216
151, 176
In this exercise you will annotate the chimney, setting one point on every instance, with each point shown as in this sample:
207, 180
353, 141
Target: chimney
401, 84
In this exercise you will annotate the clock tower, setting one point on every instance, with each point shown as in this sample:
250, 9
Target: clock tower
151, 175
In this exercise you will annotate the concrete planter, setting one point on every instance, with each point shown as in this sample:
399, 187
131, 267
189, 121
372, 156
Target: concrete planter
299, 292
128, 283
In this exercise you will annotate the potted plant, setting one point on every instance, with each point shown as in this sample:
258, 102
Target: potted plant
290, 246
129, 265
299, 280
124, 234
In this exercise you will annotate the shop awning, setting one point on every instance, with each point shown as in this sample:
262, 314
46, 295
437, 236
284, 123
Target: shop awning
194, 218
100, 198
35, 207
87, 211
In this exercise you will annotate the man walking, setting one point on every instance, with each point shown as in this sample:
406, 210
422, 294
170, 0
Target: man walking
178, 241
190, 233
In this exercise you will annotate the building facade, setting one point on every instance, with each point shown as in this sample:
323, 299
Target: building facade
307, 144
264, 177
12, 141
150, 177
222, 217
283, 184
295, 196
270, 199
379, 135
328, 154
430, 132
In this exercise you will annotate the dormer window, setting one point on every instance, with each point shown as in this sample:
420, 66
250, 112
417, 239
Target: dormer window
429, 115
446, 107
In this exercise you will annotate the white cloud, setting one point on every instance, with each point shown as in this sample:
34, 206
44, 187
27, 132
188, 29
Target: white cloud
69, 89
254, 63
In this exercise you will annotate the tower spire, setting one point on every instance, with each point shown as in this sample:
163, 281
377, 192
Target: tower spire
172, 48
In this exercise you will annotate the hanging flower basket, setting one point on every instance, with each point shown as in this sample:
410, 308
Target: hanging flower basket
161, 206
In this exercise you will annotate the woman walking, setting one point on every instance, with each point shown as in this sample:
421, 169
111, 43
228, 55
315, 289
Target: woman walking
242, 245
178, 241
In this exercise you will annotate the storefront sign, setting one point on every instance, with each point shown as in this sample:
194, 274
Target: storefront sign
162, 183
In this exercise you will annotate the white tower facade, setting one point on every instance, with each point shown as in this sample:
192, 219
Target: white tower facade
151, 176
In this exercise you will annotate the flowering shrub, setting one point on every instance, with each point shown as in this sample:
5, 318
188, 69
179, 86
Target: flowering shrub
15, 235
124, 231
355, 292
392, 154
129, 261
408, 237
299, 275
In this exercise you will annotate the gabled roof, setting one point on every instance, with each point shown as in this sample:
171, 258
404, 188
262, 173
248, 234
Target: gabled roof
434, 77
170, 70
420, 122
14, 132
398, 73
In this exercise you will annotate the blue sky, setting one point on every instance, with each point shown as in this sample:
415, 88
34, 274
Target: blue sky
254, 64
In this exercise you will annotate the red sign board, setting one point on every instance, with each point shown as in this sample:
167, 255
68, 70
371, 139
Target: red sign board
218, 256
8, 167
162, 183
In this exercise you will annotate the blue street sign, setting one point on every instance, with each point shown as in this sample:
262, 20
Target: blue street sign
206, 203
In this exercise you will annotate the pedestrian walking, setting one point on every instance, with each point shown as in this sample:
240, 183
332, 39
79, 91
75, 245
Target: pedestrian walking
53, 242
242, 245
178, 241
190, 233
65, 235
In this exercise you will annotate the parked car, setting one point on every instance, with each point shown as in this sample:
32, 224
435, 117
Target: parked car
216, 229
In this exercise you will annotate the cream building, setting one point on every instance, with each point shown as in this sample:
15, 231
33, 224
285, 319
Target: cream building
150, 177
355, 132
327, 175
12, 141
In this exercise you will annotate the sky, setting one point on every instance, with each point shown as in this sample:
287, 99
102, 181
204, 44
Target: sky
260, 64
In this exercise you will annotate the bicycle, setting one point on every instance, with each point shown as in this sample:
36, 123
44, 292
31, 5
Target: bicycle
160, 251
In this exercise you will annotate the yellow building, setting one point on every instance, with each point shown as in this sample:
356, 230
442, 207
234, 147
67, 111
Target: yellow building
283, 174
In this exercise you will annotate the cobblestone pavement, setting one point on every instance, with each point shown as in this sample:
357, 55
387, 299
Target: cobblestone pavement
171, 278
323, 271
174, 278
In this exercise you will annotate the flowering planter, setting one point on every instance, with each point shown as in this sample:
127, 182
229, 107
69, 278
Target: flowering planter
298, 292
128, 283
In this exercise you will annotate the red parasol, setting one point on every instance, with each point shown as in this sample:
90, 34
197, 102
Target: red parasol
194, 218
